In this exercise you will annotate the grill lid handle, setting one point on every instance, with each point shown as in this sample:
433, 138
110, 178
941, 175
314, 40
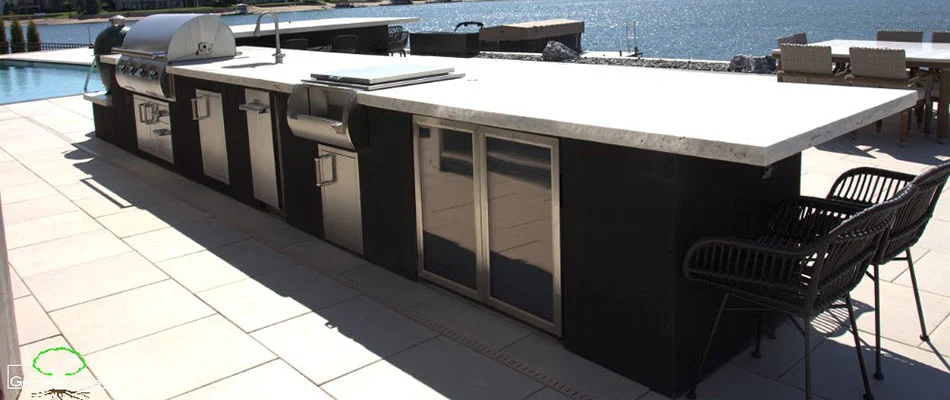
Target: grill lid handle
152, 55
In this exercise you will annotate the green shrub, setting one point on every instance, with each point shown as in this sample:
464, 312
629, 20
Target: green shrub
16, 37
32, 37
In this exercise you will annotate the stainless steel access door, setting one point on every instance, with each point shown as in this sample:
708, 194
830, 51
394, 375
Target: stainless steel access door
337, 173
153, 127
260, 135
487, 206
208, 109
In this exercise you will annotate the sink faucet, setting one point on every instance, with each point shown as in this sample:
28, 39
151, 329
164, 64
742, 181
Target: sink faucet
278, 56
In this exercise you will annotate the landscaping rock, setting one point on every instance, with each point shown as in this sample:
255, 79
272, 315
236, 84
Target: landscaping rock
557, 51
740, 63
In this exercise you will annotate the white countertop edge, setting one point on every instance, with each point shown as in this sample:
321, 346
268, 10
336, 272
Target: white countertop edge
255, 83
816, 137
709, 149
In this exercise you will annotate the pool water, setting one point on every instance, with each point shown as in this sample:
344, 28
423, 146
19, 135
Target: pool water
35, 81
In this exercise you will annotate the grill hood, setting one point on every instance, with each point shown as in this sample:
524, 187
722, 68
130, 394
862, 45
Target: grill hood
179, 37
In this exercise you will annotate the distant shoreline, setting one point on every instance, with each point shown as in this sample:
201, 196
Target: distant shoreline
251, 10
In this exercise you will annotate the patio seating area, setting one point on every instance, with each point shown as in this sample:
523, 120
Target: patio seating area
169, 289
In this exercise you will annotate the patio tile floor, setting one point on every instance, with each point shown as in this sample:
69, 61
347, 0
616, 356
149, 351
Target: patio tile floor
173, 290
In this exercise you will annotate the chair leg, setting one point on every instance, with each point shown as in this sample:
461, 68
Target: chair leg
712, 334
878, 125
920, 309
877, 324
928, 117
757, 353
857, 346
919, 113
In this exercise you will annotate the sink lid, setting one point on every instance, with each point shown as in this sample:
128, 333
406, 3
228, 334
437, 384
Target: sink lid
382, 73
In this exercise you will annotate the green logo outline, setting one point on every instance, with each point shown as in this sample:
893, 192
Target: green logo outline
61, 348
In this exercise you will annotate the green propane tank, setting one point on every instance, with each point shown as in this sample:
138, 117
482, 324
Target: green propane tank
113, 36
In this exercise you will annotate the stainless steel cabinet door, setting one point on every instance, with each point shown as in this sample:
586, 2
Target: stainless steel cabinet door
143, 133
153, 127
161, 132
338, 178
260, 137
208, 109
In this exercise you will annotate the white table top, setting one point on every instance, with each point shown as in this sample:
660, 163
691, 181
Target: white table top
743, 118
925, 53
315, 25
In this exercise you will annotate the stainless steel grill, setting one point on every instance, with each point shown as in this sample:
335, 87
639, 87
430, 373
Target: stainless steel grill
159, 40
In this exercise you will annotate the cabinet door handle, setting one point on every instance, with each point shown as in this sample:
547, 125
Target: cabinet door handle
195, 115
162, 132
254, 107
142, 113
318, 161
147, 113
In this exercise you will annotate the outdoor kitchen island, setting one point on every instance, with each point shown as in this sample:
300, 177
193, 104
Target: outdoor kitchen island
564, 195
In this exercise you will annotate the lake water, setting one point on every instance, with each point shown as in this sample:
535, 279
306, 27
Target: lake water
697, 29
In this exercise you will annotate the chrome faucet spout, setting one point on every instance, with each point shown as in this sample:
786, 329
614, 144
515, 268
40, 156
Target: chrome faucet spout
278, 56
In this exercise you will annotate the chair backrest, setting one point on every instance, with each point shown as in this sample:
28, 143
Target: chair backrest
911, 220
844, 254
297, 44
345, 43
806, 64
795, 38
940, 37
878, 67
888, 35
395, 29
398, 40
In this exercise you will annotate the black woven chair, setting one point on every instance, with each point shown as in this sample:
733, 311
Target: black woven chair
345, 43
865, 187
398, 40
813, 253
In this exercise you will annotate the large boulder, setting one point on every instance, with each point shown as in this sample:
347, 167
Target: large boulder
756, 65
557, 51
740, 63
763, 65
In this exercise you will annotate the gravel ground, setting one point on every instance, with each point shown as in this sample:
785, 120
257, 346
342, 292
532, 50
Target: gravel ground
629, 62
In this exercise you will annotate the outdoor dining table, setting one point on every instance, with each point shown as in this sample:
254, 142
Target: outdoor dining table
933, 56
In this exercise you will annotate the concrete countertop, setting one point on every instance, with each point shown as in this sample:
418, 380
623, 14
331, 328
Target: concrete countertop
741, 118
316, 25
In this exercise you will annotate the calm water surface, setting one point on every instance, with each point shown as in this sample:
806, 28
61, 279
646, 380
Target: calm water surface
699, 29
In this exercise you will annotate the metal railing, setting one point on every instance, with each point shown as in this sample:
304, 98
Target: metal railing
42, 46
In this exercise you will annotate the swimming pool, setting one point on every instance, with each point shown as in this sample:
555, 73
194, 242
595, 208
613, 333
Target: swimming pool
24, 81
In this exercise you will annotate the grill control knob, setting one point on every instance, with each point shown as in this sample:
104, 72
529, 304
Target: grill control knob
153, 74
140, 72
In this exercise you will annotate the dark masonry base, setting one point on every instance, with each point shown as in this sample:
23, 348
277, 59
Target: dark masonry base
628, 216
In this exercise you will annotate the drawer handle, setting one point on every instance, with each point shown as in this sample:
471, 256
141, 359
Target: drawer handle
195, 115
319, 169
254, 107
162, 132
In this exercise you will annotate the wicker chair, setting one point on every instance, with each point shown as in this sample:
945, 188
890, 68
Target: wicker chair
814, 252
298, 44
808, 64
398, 40
885, 35
866, 187
887, 68
345, 43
